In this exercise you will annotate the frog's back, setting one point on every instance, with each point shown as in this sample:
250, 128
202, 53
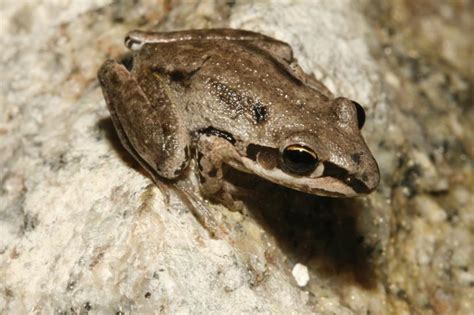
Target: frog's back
230, 85
248, 89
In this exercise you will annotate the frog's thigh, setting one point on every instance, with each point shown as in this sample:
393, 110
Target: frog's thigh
136, 39
126, 103
309, 80
174, 155
141, 37
276, 48
138, 123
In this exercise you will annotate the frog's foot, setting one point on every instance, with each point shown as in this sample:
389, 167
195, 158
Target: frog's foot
212, 152
226, 196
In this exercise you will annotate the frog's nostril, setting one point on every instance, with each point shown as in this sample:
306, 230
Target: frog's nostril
127, 62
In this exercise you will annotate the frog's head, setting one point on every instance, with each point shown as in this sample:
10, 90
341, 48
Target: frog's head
327, 157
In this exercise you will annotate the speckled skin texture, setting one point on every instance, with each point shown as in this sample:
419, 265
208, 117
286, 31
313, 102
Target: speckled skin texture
247, 87
84, 230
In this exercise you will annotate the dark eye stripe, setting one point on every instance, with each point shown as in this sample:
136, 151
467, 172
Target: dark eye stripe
332, 170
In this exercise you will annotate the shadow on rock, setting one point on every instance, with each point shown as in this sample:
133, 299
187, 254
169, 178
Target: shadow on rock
106, 126
313, 230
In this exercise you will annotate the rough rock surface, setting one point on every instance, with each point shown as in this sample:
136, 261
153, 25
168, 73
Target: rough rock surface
84, 230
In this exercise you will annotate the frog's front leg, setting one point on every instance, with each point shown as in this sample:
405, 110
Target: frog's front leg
148, 127
212, 153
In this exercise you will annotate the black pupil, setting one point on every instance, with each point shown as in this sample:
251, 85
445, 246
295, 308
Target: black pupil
299, 160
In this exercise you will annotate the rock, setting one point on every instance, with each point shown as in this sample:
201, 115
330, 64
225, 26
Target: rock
84, 230
301, 275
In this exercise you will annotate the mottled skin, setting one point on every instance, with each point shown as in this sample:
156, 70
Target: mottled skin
239, 98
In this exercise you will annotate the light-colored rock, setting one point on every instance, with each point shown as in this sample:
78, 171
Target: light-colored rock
429, 209
301, 275
83, 230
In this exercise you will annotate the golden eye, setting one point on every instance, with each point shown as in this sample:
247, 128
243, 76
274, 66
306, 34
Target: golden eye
299, 159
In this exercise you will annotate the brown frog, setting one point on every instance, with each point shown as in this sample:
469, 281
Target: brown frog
234, 97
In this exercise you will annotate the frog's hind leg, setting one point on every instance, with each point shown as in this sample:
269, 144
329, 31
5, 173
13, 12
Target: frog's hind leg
140, 124
309, 79
136, 39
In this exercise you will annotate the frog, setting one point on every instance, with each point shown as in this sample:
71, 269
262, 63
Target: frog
234, 98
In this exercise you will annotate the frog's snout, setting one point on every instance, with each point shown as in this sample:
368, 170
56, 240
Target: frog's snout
373, 180
366, 182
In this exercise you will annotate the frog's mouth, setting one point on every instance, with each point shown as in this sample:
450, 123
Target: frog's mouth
327, 180
322, 186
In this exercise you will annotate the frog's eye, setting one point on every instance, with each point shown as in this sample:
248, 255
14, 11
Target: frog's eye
299, 159
360, 114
